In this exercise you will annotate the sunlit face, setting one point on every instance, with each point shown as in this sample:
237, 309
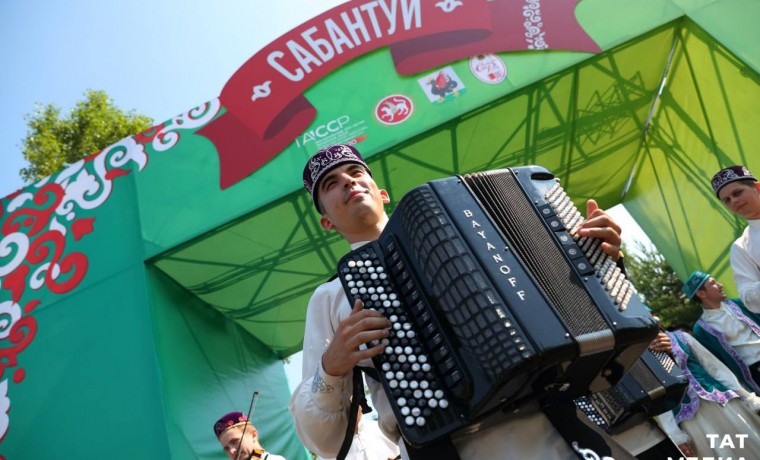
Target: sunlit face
230, 441
711, 292
742, 199
350, 199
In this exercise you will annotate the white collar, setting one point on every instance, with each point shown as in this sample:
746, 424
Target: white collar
358, 244
715, 311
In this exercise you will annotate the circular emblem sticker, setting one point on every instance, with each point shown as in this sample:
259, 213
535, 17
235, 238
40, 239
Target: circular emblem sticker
488, 68
394, 109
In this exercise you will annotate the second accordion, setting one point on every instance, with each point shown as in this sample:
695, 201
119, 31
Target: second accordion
494, 300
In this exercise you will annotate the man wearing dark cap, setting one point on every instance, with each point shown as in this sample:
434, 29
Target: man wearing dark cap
726, 328
739, 191
240, 439
351, 203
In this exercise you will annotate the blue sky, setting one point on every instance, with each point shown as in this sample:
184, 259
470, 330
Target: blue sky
159, 58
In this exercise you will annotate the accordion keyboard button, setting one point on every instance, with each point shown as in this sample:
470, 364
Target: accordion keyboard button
555, 224
564, 238
583, 266
546, 210
573, 251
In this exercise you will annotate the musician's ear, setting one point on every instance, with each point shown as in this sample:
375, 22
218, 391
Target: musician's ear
326, 223
385, 196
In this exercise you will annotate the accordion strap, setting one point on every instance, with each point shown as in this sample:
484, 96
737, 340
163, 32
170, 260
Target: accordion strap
442, 449
583, 436
358, 399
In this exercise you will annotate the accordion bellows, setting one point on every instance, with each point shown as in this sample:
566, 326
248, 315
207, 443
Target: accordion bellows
494, 300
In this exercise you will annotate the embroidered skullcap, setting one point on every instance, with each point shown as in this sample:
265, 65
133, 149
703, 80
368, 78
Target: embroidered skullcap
730, 174
326, 159
695, 281
228, 421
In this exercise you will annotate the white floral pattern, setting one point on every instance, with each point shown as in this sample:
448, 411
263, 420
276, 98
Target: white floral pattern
195, 118
534, 33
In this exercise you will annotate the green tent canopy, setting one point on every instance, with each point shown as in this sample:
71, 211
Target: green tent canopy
140, 299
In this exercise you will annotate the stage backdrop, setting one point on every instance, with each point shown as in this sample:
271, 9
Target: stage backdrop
159, 282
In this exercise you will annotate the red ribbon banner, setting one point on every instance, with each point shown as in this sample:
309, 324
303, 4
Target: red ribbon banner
266, 109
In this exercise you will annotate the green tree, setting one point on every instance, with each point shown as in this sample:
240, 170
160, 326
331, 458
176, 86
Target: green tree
659, 287
53, 141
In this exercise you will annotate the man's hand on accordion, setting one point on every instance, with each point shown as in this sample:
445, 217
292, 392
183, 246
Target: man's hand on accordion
662, 343
599, 224
345, 351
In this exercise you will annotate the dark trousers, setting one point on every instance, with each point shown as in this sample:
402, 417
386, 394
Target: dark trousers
754, 370
661, 451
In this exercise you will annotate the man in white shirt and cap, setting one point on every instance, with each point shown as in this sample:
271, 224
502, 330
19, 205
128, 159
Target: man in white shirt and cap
739, 191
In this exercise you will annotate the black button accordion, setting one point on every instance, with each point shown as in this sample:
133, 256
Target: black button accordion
494, 299
653, 385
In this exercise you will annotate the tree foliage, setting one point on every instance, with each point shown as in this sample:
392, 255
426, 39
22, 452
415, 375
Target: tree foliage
53, 141
659, 287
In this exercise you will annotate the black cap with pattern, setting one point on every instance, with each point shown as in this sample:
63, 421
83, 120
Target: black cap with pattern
731, 174
325, 160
